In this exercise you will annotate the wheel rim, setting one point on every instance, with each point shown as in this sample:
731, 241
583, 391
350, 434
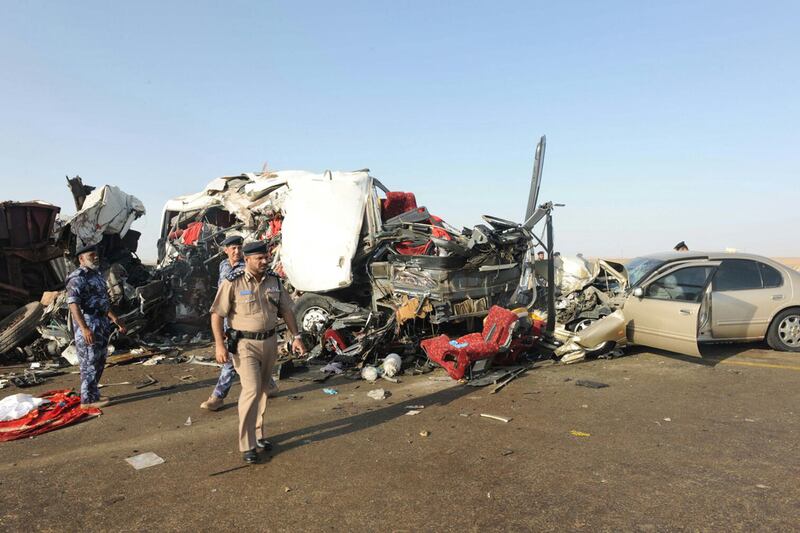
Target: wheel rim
315, 320
583, 324
789, 331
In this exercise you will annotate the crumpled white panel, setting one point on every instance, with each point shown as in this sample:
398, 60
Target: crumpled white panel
320, 232
107, 210
572, 274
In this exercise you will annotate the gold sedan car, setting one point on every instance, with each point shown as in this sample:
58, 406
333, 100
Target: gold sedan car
676, 300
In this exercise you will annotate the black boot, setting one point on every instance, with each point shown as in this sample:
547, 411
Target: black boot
251, 456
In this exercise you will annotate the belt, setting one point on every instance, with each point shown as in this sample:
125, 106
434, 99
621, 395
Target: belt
260, 336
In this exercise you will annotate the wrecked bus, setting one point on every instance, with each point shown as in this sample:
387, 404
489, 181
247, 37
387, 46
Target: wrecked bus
361, 261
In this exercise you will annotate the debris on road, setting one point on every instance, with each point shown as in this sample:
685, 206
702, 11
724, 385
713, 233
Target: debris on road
59, 408
149, 381
495, 417
425, 433
590, 384
330, 392
508, 380
18, 405
378, 394
576, 433
144, 460
369, 373
103, 385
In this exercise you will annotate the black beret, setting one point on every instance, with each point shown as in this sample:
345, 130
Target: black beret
681, 244
255, 247
233, 240
86, 248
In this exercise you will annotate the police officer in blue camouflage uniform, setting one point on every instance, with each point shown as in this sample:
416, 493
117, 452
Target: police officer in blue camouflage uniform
233, 264
90, 307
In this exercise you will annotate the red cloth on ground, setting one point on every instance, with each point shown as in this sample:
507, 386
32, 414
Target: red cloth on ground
456, 361
397, 203
64, 409
192, 233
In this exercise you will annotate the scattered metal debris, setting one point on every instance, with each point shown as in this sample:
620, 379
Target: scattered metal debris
498, 418
150, 381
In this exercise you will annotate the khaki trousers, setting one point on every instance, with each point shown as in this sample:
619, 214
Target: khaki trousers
254, 364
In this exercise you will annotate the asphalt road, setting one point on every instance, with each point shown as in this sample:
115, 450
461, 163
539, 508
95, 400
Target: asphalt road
674, 444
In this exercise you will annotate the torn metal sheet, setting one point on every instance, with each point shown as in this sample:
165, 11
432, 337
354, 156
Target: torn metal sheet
323, 218
107, 210
602, 335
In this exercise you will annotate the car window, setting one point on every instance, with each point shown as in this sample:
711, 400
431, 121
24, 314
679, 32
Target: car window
737, 275
684, 285
770, 277
641, 266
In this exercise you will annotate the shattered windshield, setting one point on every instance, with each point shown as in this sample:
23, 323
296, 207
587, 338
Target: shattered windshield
640, 267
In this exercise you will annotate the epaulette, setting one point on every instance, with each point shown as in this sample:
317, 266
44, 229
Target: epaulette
230, 276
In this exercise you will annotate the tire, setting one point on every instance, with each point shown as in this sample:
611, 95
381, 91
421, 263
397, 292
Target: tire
314, 313
784, 332
19, 325
580, 324
602, 348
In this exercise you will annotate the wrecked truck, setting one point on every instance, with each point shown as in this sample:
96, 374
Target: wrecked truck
365, 265
37, 252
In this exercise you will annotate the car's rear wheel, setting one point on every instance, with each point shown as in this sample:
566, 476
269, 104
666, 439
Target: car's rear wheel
784, 332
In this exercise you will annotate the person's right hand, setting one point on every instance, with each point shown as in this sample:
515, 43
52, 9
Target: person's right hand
221, 354
88, 336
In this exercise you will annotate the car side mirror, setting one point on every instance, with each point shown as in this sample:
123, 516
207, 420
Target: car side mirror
638, 292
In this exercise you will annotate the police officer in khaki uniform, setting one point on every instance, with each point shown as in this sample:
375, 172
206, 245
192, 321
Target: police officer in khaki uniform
251, 300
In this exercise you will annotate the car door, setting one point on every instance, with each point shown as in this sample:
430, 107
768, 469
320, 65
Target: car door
664, 312
745, 294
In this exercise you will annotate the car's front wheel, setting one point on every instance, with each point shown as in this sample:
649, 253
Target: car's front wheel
784, 332
314, 313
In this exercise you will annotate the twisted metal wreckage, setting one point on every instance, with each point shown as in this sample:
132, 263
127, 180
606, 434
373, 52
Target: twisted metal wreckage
383, 275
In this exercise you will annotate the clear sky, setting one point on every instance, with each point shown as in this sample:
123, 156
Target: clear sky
665, 120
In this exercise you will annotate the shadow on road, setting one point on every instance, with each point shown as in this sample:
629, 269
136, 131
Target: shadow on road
351, 424
710, 354
163, 390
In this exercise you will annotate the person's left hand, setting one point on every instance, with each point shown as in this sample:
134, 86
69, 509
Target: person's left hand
297, 347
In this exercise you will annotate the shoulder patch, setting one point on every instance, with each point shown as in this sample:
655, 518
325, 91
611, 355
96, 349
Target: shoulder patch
77, 273
234, 274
